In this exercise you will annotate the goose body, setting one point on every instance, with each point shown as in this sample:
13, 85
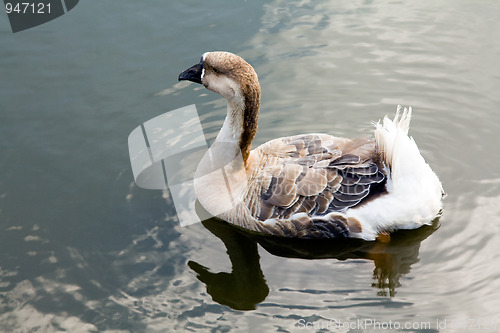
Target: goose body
309, 185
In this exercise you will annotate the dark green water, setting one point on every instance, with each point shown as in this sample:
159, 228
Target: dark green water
82, 249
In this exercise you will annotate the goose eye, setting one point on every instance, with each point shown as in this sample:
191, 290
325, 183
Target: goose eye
216, 71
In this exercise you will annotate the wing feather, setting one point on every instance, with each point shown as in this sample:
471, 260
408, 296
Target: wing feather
310, 179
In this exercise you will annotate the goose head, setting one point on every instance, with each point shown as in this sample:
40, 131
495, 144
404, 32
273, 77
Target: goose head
224, 73
234, 79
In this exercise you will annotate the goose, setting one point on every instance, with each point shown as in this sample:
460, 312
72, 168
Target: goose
308, 185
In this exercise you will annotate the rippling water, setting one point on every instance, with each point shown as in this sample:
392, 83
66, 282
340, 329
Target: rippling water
83, 249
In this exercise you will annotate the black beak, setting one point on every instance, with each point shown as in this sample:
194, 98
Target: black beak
192, 73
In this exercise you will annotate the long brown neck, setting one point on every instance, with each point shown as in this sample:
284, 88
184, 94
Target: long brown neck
240, 125
251, 95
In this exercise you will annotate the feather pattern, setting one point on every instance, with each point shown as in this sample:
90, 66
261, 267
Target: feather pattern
312, 178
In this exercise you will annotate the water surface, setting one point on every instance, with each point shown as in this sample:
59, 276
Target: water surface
83, 249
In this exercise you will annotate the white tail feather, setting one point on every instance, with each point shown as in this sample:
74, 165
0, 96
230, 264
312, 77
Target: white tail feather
388, 133
414, 190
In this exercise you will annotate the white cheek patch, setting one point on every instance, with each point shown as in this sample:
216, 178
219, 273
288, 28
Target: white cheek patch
228, 88
202, 73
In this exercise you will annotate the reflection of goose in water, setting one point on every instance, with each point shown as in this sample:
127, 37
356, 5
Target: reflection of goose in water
308, 186
245, 286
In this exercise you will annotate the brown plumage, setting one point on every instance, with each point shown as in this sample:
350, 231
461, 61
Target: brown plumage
310, 185
315, 174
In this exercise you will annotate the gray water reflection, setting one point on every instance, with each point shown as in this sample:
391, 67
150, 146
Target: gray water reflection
245, 287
